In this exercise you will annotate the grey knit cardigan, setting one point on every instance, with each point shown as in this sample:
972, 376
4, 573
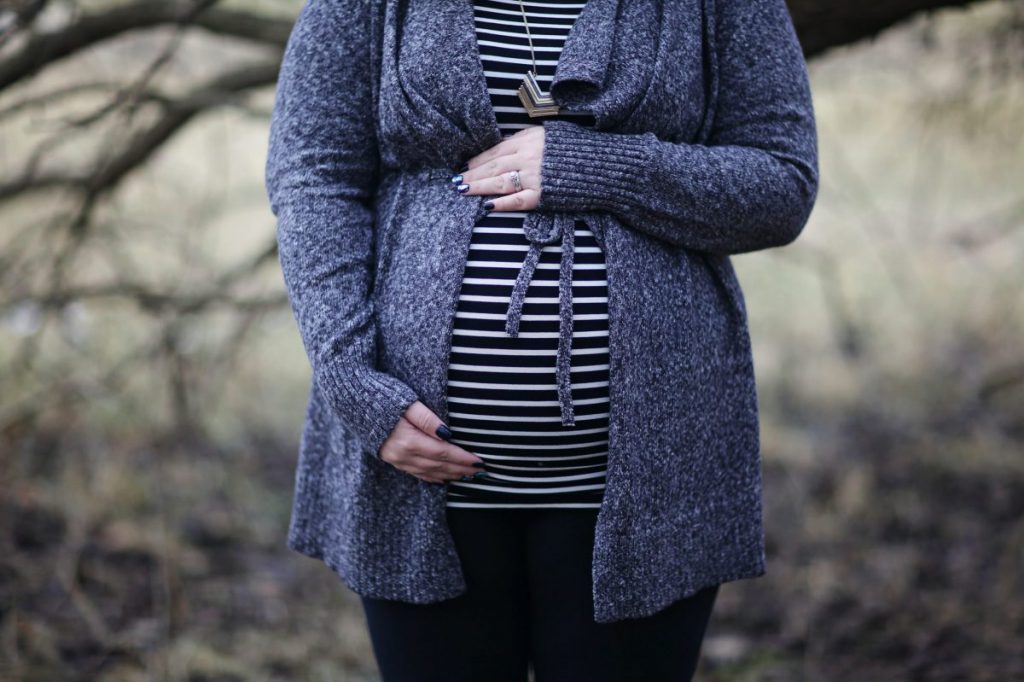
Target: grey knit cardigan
704, 146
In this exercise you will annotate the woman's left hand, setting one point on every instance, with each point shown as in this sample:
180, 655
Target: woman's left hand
488, 172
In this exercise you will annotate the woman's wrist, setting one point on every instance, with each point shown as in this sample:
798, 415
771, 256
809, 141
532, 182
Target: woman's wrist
590, 170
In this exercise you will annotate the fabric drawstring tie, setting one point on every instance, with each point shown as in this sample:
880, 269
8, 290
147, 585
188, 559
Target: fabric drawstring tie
542, 229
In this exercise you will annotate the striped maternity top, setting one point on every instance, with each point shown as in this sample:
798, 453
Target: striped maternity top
502, 395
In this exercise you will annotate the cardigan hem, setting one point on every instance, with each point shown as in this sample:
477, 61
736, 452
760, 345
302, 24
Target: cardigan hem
602, 613
646, 608
314, 551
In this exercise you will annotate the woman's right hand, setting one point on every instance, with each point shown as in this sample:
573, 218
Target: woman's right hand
415, 448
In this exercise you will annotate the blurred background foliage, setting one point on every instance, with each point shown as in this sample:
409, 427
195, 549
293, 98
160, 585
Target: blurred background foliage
152, 382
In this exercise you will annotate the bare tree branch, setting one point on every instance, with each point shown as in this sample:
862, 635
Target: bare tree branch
823, 24
138, 150
46, 48
159, 300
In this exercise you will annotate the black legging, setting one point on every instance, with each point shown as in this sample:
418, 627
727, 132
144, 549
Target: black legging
529, 603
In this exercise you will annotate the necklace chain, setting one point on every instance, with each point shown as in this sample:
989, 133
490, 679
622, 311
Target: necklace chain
535, 101
529, 37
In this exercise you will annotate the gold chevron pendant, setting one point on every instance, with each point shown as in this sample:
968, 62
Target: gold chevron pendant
536, 102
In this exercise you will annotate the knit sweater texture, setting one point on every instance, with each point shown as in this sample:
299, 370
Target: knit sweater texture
704, 147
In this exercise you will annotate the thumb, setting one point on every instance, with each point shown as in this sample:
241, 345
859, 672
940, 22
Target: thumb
423, 418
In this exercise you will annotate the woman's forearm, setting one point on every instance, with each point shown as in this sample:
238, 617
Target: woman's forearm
750, 187
322, 167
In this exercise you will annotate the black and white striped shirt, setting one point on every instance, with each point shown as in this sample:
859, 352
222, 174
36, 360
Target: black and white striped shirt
502, 396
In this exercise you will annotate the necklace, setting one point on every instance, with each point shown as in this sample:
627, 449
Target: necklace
536, 102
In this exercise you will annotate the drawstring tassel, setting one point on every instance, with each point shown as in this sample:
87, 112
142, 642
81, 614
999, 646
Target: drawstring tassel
564, 364
515, 304
544, 229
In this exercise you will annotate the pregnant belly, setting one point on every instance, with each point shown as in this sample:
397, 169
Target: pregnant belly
501, 390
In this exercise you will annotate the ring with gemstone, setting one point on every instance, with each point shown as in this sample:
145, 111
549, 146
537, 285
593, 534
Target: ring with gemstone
514, 175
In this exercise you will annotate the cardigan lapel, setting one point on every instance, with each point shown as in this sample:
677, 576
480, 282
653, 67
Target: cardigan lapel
582, 67
579, 73
433, 88
434, 80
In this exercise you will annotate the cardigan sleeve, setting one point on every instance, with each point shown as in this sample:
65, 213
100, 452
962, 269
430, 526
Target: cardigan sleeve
751, 186
321, 172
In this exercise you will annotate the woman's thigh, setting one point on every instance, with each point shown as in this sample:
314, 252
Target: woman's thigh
568, 646
479, 635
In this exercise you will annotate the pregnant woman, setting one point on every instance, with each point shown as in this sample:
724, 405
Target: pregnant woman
505, 228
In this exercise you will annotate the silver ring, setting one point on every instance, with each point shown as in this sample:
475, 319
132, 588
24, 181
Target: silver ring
514, 175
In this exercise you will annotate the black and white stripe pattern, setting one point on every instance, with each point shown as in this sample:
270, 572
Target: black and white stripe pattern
502, 396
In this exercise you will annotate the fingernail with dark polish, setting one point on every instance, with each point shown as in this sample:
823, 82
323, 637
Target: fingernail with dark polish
462, 188
467, 477
457, 178
464, 168
480, 474
444, 432
479, 465
489, 205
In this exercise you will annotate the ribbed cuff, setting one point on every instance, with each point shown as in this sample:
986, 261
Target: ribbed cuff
591, 170
370, 402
